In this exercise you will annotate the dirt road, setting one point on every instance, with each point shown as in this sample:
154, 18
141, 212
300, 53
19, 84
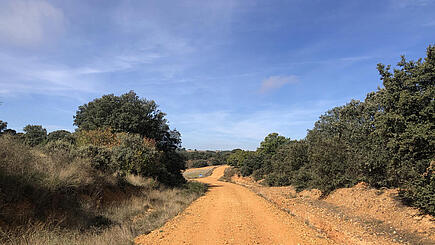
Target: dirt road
232, 214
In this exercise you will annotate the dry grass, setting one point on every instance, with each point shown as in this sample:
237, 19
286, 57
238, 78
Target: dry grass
46, 200
130, 218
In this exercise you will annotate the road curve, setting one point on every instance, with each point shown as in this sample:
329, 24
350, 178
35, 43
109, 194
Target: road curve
232, 214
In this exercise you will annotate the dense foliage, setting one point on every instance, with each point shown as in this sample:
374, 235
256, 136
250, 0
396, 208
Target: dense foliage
387, 140
134, 133
198, 159
130, 114
35, 134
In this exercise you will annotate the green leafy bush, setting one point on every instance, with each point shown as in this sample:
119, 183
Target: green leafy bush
198, 163
421, 191
99, 157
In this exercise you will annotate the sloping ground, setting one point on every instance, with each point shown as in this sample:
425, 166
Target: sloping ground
357, 215
231, 214
193, 173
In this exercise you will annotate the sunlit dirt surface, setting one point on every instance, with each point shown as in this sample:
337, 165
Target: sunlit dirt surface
232, 214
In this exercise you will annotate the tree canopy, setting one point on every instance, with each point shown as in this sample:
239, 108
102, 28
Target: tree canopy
128, 113
34, 134
105, 119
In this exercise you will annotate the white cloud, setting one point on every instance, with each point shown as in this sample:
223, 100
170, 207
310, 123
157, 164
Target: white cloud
29, 22
276, 82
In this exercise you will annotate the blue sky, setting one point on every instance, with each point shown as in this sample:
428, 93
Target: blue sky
226, 72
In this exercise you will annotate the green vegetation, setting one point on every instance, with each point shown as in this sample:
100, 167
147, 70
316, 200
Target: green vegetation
228, 173
199, 159
34, 134
388, 140
130, 114
103, 184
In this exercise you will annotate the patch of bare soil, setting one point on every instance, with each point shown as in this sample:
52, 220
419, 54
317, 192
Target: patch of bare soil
357, 215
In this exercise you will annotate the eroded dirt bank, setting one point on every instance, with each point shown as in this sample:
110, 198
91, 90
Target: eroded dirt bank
232, 214
357, 215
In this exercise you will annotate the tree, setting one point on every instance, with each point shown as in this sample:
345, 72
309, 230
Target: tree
267, 149
405, 119
271, 143
3, 126
60, 135
128, 113
34, 134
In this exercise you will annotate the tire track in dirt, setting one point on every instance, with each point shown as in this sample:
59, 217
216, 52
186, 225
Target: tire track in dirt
232, 214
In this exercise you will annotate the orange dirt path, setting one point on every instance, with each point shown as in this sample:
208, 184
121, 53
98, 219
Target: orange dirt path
232, 214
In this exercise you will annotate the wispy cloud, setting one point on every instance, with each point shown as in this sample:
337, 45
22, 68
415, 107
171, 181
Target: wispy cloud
276, 82
30, 75
430, 23
37, 76
24, 22
411, 3
230, 129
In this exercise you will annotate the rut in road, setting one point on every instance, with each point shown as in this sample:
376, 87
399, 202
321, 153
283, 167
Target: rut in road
232, 214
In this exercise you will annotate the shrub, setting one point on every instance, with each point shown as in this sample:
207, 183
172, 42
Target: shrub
137, 156
99, 137
99, 157
228, 173
60, 149
34, 134
198, 163
421, 192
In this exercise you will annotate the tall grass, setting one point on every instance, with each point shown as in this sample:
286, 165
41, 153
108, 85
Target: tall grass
47, 198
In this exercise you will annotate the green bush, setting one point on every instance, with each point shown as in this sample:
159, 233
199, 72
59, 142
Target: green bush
99, 157
277, 179
421, 191
198, 163
134, 156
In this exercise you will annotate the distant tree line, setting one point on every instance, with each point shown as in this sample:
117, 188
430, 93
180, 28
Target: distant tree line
387, 140
198, 159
